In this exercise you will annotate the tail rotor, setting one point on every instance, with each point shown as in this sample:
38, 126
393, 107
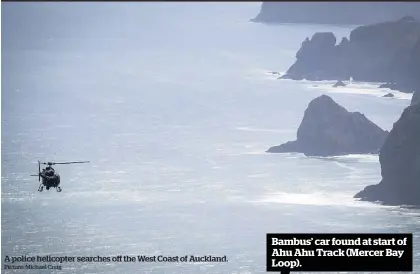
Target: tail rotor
39, 171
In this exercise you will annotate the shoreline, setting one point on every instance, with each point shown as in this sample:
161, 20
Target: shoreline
352, 87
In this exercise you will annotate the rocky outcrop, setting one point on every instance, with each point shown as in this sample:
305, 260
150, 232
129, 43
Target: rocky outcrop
400, 163
386, 52
328, 129
318, 59
335, 12
416, 98
339, 84
389, 95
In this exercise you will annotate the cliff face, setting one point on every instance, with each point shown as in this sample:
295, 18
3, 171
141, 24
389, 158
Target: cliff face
406, 68
335, 12
400, 163
384, 52
416, 98
328, 129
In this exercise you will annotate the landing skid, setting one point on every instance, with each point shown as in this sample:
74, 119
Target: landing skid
41, 188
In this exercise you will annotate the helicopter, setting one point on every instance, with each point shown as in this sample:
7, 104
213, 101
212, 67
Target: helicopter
50, 178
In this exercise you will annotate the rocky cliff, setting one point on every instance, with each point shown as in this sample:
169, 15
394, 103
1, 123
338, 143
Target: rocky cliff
416, 98
335, 12
328, 129
406, 69
400, 163
384, 52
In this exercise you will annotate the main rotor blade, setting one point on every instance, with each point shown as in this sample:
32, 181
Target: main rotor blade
65, 163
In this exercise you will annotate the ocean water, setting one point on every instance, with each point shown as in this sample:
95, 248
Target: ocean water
174, 106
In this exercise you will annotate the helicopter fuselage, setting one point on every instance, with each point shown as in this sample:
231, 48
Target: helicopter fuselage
50, 181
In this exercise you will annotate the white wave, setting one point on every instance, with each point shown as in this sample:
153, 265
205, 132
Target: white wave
260, 152
319, 198
257, 152
359, 88
346, 166
355, 158
260, 175
263, 130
